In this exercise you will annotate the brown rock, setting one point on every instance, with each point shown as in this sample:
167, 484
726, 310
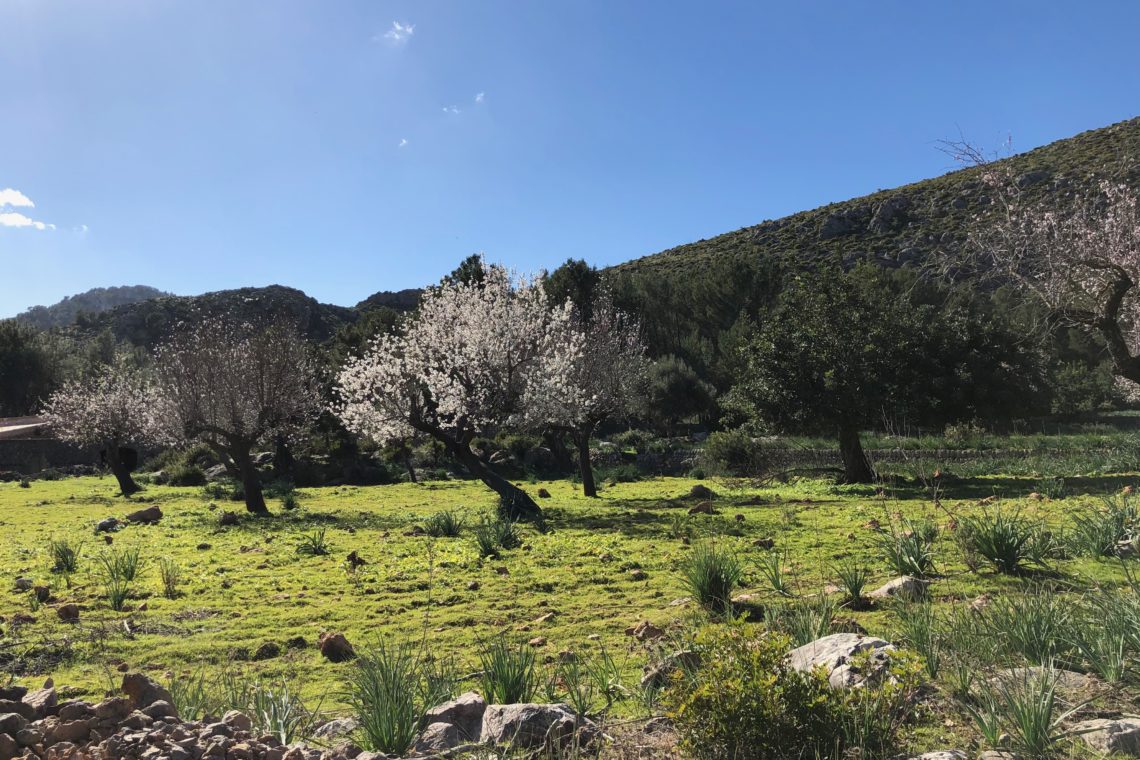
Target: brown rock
704, 508
143, 692
68, 613
543, 493
335, 647
148, 516
43, 700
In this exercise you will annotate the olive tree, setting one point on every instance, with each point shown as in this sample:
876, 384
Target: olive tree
116, 406
594, 372
236, 386
461, 366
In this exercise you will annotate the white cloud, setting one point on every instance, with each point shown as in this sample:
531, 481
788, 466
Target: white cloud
400, 32
403, 142
10, 197
451, 109
16, 219
479, 97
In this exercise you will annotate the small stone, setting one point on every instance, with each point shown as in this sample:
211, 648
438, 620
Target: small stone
637, 574
644, 631
68, 613
538, 641
238, 720
143, 692
335, 647
473, 586
149, 516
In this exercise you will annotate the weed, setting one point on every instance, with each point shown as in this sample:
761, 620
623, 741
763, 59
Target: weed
1006, 541
1033, 626
64, 556
171, 573
853, 579
445, 524
907, 552
313, 544
382, 690
771, 564
919, 629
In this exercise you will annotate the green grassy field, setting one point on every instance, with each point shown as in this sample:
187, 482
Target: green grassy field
245, 585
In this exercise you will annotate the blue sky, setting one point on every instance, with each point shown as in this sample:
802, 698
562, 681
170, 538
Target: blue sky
196, 146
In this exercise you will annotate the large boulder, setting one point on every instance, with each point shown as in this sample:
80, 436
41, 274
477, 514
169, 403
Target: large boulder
834, 655
1120, 736
465, 712
533, 726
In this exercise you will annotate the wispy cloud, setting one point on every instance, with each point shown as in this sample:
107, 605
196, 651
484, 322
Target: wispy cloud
403, 142
399, 33
451, 109
479, 97
12, 199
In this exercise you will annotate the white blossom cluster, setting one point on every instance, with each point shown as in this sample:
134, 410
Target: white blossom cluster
466, 361
596, 371
121, 404
228, 382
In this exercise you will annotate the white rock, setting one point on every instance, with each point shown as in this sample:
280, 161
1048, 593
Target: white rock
834, 654
1121, 736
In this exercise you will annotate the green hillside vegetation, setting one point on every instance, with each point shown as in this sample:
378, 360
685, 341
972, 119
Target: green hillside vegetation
91, 302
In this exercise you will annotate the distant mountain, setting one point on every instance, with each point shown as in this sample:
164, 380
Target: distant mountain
148, 323
399, 300
91, 302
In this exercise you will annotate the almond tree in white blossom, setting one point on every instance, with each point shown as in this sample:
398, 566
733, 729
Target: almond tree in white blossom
462, 367
1080, 259
235, 387
118, 406
595, 372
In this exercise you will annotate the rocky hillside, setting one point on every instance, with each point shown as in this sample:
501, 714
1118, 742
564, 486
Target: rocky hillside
91, 302
900, 227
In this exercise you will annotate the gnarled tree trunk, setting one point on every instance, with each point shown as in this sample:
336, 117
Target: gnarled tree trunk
250, 478
514, 502
119, 469
582, 439
856, 466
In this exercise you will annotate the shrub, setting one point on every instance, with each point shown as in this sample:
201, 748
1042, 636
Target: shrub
746, 701
185, 474
622, 473
508, 675
444, 524
734, 452
1006, 541
64, 556
633, 439
711, 573
909, 552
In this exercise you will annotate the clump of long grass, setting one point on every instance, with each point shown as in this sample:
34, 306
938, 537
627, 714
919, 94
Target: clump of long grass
117, 571
910, 551
1035, 626
508, 671
711, 573
445, 524
493, 534
1096, 532
803, 620
64, 556
771, 566
1024, 711
171, 574
920, 630
1008, 542
386, 690
853, 580
314, 544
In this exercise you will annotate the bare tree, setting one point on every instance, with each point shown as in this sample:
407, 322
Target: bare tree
461, 366
238, 386
593, 373
117, 406
1079, 257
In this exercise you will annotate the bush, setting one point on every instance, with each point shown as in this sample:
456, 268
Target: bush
183, 474
711, 573
733, 452
632, 439
622, 473
1096, 532
745, 701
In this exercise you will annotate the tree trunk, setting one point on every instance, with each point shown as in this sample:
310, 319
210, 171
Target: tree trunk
856, 465
127, 484
283, 461
250, 481
514, 502
556, 442
582, 438
406, 455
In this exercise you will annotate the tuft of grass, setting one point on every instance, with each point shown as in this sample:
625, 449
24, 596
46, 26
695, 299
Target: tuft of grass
493, 534
805, 620
117, 571
710, 573
313, 544
445, 524
1035, 626
853, 579
1026, 711
909, 552
382, 690
508, 671
1006, 541
1096, 532
771, 565
64, 556
171, 573
919, 628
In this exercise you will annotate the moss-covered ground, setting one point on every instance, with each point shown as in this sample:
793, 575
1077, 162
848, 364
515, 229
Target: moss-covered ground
246, 584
